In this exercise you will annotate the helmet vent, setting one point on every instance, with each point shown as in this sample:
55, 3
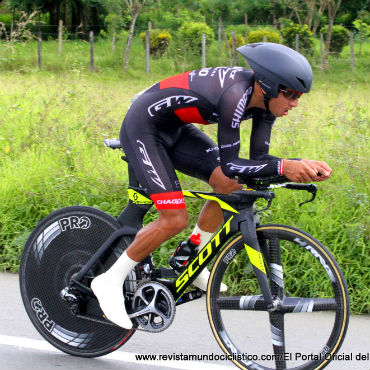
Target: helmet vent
301, 81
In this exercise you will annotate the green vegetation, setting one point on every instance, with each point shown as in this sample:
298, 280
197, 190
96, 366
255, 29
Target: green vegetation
290, 31
258, 35
158, 41
51, 155
190, 35
339, 38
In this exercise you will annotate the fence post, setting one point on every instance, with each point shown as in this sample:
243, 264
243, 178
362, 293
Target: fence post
91, 38
233, 43
246, 27
296, 42
60, 36
114, 36
264, 38
147, 51
352, 50
219, 34
203, 50
322, 50
228, 47
11, 31
39, 42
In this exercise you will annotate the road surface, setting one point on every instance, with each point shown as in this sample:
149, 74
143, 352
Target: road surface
21, 346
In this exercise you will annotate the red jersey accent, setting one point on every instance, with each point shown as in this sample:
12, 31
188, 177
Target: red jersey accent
281, 166
181, 81
190, 115
171, 200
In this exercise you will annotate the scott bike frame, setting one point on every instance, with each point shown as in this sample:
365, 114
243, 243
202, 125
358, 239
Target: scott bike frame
239, 216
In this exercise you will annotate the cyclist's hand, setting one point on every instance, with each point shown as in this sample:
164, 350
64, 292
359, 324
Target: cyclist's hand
323, 171
306, 170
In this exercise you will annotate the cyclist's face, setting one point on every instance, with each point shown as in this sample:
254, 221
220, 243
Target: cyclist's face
281, 105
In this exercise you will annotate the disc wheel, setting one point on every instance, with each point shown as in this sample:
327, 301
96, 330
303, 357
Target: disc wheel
58, 248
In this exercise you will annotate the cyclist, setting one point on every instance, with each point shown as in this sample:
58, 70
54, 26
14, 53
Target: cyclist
158, 136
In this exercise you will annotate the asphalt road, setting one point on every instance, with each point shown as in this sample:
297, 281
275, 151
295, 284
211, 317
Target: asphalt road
21, 346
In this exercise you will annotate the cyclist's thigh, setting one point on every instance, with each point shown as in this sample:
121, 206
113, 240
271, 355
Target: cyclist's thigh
195, 153
147, 154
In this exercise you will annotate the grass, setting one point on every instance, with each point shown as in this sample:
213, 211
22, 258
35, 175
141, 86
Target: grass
51, 155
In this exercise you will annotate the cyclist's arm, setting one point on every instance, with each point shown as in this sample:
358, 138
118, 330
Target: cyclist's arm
230, 105
295, 169
262, 124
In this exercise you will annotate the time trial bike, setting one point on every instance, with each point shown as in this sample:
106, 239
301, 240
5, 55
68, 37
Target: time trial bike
280, 281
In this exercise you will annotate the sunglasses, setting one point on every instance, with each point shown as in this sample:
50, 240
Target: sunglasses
291, 94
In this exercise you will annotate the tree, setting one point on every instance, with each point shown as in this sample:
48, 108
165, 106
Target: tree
318, 15
73, 12
134, 7
333, 6
363, 29
296, 6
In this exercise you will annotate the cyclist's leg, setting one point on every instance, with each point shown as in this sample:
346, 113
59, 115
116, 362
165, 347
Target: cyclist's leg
197, 155
211, 216
146, 151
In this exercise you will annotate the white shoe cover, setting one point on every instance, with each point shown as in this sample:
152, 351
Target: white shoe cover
111, 300
202, 280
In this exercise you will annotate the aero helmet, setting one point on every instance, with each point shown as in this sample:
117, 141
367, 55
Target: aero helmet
275, 64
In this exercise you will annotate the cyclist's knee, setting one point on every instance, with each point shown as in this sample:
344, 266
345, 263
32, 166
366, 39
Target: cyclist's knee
221, 183
173, 221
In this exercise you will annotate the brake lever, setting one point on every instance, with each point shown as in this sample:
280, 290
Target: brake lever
311, 188
264, 209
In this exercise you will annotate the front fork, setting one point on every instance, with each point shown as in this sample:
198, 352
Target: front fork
248, 230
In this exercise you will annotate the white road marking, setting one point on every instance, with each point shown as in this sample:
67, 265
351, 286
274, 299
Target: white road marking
42, 345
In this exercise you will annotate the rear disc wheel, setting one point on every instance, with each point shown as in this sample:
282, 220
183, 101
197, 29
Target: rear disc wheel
57, 249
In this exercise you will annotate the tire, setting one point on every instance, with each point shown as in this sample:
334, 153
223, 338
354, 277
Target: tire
302, 333
57, 249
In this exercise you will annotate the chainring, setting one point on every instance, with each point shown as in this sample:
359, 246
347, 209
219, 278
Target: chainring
154, 307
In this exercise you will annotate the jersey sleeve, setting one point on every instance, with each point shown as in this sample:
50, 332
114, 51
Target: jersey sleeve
260, 137
231, 109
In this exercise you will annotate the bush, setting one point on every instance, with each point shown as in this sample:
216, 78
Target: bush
339, 38
168, 19
114, 22
190, 35
305, 36
158, 41
238, 29
362, 27
257, 36
6, 19
345, 19
284, 22
239, 40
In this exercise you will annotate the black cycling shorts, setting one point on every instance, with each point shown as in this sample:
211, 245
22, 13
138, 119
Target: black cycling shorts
155, 150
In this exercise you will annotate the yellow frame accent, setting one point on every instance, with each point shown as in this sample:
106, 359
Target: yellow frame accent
256, 258
141, 199
222, 204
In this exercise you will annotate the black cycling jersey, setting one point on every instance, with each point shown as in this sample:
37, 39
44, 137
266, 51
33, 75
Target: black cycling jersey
158, 138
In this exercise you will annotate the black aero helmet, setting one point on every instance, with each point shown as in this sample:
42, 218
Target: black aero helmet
275, 64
